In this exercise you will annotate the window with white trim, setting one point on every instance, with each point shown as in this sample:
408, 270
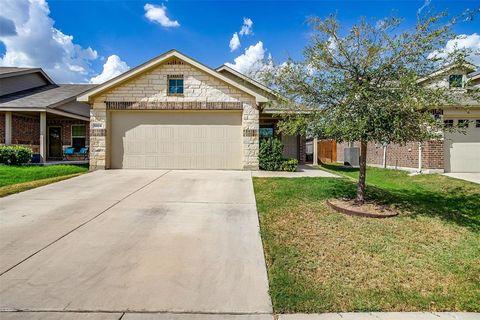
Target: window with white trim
477, 123
175, 85
448, 123
455, 81
79, 137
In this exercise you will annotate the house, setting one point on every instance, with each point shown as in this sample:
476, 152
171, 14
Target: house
40, 114
173, 112
455, 152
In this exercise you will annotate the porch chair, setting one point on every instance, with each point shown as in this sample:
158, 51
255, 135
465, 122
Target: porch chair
69, 151
84, 152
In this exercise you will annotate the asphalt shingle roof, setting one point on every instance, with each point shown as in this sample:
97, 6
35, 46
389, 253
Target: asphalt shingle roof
7, 70
43, 97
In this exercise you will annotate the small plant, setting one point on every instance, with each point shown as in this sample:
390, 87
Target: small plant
14, 155
289, 165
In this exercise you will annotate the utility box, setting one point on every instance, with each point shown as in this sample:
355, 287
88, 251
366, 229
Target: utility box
351, 156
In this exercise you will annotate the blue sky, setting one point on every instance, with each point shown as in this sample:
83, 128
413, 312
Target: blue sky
201, 29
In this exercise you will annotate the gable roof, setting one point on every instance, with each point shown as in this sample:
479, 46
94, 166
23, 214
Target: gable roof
474, 75
468, 66
246, 78
157, 61
48, 98
6, 72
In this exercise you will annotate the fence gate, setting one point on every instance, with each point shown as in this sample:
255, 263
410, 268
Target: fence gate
327, 151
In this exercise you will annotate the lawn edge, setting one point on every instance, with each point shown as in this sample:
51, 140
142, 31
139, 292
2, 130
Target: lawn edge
24, 186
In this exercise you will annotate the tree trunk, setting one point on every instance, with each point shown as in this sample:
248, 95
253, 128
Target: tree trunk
363, 173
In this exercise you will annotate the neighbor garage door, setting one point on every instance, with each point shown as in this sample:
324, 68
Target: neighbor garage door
462, 151
176, 140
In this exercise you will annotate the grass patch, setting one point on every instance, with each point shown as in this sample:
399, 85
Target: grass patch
427, 258
15, 179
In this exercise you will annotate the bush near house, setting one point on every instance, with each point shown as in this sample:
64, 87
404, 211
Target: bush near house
13, 155
271, 159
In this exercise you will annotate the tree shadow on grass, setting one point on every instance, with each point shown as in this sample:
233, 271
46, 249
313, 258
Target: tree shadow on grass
460, 208
455, 204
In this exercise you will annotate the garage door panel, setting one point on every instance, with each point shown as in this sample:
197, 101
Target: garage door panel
167, 140
462, 151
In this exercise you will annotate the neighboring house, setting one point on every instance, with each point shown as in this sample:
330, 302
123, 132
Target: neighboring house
173, 112
40, 114
456, 152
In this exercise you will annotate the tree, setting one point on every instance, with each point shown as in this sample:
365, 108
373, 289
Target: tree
363, 84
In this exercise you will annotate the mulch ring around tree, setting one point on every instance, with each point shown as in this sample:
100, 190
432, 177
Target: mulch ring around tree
368, 209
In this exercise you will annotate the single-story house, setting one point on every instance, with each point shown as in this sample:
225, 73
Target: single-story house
173, 112
40, 114
455, 152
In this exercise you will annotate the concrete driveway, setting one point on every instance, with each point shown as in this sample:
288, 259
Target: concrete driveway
467, 176
139, 241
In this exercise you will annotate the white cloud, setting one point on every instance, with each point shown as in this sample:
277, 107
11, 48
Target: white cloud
113, 67
469, 42
234, 42
246, 27
158, 14
37, 43
252, 62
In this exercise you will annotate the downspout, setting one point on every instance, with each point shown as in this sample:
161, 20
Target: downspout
420, 157
385, 155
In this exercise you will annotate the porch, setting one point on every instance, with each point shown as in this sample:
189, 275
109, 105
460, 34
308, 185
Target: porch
46, 133
294, 147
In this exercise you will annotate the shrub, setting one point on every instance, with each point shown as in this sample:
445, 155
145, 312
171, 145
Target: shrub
15, 154
289, 165
270, 155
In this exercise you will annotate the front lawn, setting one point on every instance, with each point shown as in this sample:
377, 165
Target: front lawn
427, 258
19, 178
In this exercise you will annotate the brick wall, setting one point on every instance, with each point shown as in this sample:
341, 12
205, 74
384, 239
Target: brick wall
402, 156
151, 87
26, 130
302, 150
2, 127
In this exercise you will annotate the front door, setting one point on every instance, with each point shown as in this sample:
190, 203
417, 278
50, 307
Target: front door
55, 142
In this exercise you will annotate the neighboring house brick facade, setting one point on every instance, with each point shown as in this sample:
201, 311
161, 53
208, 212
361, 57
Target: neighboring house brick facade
455, 152
34, 104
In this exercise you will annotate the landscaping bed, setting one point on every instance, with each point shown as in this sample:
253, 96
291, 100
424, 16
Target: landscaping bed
15, 179
319, 260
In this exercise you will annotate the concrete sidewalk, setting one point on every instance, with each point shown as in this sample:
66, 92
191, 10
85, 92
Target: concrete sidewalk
221, 316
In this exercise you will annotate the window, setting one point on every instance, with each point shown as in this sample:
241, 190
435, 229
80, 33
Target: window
175, 85
78, 136
477, 123
455, 81
266, 132
463, 123
448, 123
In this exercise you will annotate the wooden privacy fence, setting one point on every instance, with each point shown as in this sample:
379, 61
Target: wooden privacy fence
327, 151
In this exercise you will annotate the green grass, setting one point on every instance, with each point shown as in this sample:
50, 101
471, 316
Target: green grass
427, 258
19, 178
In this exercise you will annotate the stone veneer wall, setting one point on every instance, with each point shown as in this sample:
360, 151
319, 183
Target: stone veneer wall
150, 88
402, 156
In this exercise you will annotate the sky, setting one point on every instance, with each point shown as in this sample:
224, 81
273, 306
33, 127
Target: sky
91, 41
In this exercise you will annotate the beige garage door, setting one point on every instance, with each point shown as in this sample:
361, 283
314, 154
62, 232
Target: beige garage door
176, 140
462, 151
